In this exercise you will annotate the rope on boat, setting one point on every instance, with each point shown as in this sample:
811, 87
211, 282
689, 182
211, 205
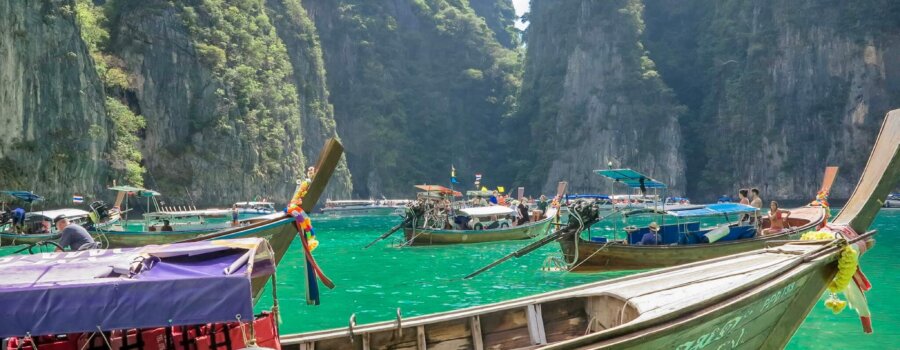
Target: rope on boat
103, 336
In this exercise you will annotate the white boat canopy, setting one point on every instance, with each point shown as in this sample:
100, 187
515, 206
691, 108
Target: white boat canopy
485, 211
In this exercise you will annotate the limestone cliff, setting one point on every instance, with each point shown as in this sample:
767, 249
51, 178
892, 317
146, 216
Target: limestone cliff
592, 96
225, 118
777, 90
53, 129
417, 86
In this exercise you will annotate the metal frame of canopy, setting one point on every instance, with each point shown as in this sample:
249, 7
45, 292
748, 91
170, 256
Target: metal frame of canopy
122, 196
634, 180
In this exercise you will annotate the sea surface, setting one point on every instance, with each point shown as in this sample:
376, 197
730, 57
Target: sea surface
373, 283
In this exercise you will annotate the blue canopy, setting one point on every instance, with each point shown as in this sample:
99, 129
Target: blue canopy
179, 284
24, 195
630, 178
713, 209
588, 196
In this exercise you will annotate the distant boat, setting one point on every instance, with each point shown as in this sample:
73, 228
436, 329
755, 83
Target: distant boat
437, 219
751, 300
38, 224
892, 201
363, 207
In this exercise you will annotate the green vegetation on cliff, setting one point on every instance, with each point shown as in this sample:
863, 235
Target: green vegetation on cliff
124, 154
417, 85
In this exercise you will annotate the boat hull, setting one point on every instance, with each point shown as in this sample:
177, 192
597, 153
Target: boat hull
7, 239
420, 236
364, 211
587, 256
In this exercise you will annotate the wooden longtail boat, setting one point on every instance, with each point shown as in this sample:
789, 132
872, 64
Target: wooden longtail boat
586, 255
416, 235
750, 300
421, 236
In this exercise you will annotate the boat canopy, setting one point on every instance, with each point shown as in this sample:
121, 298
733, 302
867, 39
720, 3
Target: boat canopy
147, 287
439, 189
587, 196
712, 209
630, 178
472, 193
52, 214
143, 192
24, 195
489, 210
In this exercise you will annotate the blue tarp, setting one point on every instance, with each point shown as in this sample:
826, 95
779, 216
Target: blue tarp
713, 209
630, 178
181, 284
24, 195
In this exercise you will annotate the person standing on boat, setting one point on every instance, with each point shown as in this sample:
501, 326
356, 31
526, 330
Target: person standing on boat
494, 200
777, 218
234, 215
757, 203
18, 219
652, 236
742, 196
72, 236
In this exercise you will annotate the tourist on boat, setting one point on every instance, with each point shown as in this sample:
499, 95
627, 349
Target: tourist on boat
742, 196
777, 218
234, 215
493, 199
481, 202
166, 227
18, 217
652, 236
756, 202
542, 204
523, 212
73, 236
45, 226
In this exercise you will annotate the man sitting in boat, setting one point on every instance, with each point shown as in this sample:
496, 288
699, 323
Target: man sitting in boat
776, 220
652, 236
73, 236
523, 213
166, 227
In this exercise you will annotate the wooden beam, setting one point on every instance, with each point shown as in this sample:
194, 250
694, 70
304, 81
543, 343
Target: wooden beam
536, 324
420, 337
328, 160
475, 328
365, 339
308, 346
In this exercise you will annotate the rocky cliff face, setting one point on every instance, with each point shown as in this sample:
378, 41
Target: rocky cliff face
226, 115
789, 87
417, 86
52, 119
299, 35
592, 96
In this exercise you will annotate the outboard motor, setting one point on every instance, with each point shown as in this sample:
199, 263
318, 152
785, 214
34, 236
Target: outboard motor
101, 209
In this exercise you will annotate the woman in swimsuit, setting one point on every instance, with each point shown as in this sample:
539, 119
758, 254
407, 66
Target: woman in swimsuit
777, 219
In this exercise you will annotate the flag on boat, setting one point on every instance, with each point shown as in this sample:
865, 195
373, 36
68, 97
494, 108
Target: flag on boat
501, 189
453, 175
78, 199
477, 180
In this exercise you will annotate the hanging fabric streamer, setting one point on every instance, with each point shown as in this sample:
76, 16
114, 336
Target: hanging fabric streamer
308, 238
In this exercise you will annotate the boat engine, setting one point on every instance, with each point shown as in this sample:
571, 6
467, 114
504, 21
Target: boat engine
101, 209
582, 214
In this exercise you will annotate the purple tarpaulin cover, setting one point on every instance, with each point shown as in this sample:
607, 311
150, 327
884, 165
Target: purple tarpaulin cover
180, 284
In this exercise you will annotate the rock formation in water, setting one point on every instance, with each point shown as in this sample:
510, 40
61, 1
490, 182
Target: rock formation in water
53, 129
592, 96
417, 86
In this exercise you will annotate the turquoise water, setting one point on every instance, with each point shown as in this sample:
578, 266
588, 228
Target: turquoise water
373, 283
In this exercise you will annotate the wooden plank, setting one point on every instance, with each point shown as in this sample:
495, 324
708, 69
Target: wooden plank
365, 341
420, 336
504, 320
508, 339
390, 339
475, 329
447, 330
536, 324
565, 329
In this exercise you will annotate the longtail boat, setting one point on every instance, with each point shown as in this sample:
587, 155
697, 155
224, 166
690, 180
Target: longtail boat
431, 221
673, 249
154, 297
751, 300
